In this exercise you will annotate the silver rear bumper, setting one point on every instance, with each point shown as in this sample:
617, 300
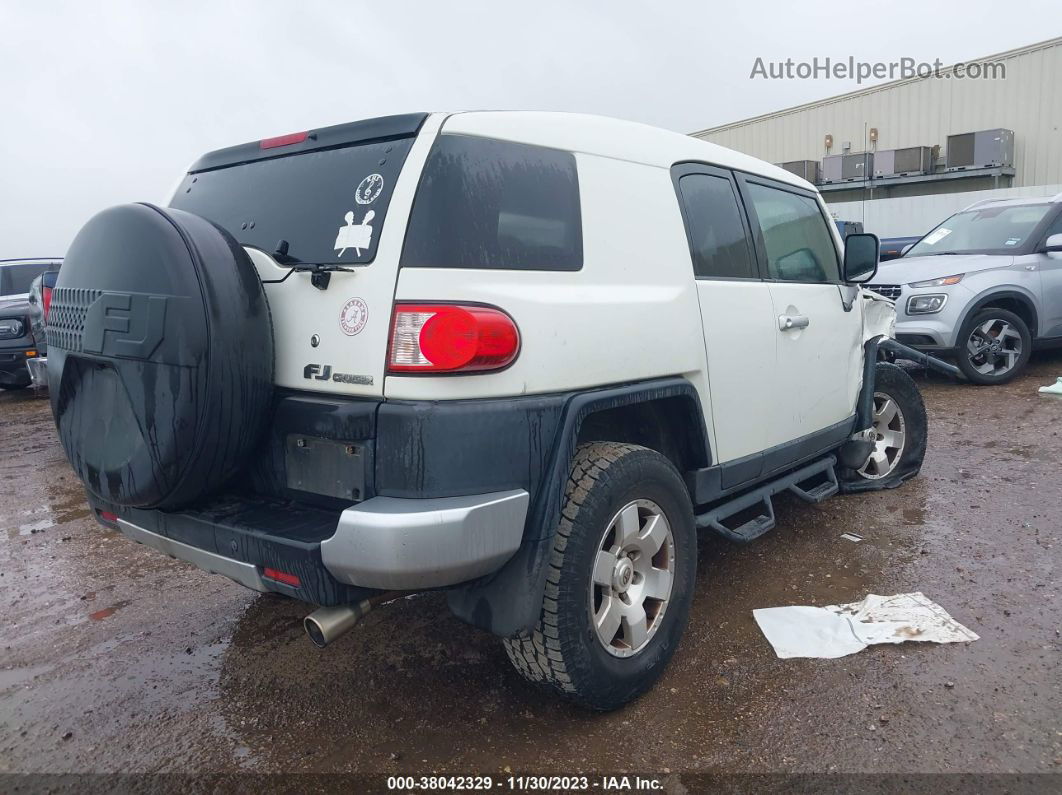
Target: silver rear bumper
390, 543
405, 544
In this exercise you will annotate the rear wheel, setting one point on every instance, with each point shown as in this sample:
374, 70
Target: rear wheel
994, 346
620, 580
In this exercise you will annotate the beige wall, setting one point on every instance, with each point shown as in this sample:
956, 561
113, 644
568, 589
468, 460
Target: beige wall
923, 112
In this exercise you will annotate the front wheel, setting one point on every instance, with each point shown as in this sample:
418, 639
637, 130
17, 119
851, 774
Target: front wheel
994, 346
899, 427
620, 579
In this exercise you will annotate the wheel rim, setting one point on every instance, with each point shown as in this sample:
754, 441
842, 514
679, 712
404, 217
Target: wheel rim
631, 582
890, 435
994, 347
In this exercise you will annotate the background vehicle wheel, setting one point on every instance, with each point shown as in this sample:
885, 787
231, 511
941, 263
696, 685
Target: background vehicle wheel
900, 432
620, 581
994, 346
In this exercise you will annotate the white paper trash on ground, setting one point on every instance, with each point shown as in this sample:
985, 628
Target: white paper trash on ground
839, 630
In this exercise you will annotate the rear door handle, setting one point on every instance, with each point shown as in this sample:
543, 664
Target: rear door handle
788, 322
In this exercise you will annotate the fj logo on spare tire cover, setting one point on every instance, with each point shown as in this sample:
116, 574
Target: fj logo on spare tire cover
354, 316
129, 325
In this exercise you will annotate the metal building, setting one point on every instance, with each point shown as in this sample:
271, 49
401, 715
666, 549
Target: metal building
901, 156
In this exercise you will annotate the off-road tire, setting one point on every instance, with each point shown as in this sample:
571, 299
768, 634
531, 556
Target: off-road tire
893, 381
562, 652
962, 355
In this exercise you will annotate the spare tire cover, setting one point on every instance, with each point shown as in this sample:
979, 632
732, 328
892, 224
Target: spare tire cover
160, 360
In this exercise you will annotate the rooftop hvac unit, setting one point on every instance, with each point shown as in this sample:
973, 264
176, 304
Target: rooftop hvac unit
857, 167
847, 168
805, 169
903, 162
831, 168
981, 149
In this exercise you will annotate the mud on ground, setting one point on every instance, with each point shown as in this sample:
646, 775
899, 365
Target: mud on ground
115, 658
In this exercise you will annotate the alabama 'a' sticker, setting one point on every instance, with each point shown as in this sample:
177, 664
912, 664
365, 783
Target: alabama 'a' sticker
354, 316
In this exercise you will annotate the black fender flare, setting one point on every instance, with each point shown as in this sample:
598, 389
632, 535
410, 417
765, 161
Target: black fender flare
509, 601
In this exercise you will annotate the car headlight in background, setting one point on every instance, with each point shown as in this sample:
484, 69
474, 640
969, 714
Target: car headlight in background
943, 281
11, 329
926, 304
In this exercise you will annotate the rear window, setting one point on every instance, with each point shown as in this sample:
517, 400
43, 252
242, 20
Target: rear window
16, 279
328, 205
484, 203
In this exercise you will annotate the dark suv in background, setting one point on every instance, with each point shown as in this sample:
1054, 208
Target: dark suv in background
21, 318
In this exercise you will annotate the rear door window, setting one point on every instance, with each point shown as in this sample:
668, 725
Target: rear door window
328, 205
718, 241
799, 244
484, 203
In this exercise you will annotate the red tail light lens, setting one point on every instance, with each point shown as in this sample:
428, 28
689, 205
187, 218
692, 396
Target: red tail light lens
283, 140
449, 338
46, 301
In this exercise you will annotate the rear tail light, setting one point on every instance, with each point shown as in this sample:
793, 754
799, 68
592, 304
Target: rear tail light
451, 338
46, 302
107, 517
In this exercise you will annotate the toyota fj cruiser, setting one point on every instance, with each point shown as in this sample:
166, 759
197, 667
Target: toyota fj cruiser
521, 357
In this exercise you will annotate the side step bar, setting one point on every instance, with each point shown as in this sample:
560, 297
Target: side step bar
803, 482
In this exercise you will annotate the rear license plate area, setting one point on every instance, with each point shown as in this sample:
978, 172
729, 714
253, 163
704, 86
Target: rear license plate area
326, 467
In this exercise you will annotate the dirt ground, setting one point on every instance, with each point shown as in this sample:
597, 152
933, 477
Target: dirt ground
115, 658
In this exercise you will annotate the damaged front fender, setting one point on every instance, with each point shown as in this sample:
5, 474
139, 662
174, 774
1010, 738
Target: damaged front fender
879, 316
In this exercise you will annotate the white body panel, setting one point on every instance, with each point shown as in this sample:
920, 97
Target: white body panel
629, 314
633, 311
740, 331
300, 310
818, 370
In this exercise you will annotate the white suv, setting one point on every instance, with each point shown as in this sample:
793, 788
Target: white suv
517, 356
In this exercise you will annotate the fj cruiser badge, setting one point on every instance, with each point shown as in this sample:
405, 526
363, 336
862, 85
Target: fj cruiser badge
354, 316
323, 372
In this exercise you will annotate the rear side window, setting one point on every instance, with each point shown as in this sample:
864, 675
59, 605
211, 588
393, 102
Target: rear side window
799, 245
718, 242
328, 205
484, 203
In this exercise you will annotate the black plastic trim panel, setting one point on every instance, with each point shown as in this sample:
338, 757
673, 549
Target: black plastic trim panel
509, 601
712, 483
266, 533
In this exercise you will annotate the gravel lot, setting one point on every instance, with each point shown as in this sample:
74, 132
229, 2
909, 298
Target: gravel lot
115, 658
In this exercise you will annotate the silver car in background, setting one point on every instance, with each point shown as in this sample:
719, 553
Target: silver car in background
984, 287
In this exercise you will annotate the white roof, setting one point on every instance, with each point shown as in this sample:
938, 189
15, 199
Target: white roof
608, 137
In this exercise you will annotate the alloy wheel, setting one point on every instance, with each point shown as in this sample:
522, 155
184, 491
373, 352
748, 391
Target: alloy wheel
994, 347
632, 578
890, 433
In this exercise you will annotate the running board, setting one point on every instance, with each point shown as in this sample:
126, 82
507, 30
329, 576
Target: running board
803, 482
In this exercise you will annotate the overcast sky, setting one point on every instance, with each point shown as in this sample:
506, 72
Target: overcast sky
107, 102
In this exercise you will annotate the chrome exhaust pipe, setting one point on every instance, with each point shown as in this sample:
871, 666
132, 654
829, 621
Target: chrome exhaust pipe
325, 624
